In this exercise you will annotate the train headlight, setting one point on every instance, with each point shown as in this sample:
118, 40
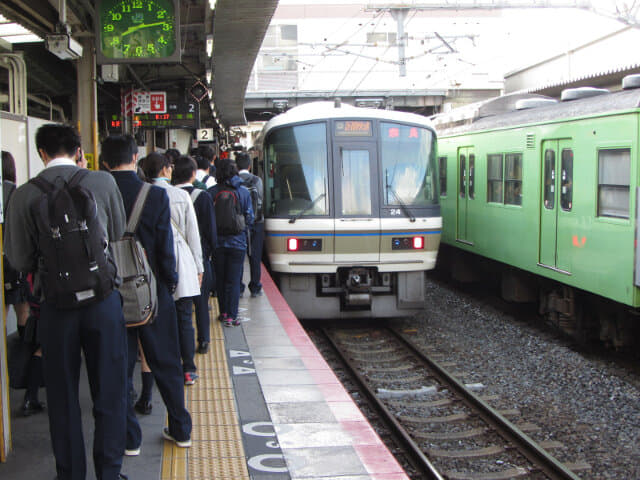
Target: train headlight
304, 244
407, 243
418, 243
292, 244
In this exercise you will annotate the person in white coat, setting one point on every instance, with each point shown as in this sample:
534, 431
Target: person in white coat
157, 167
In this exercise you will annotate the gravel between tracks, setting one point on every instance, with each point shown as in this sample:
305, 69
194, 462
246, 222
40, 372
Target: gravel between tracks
587, 402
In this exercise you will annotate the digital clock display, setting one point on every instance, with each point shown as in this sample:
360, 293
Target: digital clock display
137, 31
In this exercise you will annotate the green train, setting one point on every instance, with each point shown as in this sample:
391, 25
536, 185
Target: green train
542, 195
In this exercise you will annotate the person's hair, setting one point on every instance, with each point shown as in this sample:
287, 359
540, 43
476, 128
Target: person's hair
243, 160
206, 152
203, 163
225, 169
173, 154
183, 169
57, 140
118, 150
153, 163
8, 167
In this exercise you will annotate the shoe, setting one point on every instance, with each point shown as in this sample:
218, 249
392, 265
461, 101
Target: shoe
132, 452
231, 322
167, 436
142, 407
203, 347
256, 294
190, 378
122, 476
30, 407
222, 317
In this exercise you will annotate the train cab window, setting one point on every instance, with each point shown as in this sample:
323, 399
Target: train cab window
409, 167
614, 171
549, 179
442, 169
356, 182
463, 174
513, 179
472, 174
296, 166
494, 178
566, 189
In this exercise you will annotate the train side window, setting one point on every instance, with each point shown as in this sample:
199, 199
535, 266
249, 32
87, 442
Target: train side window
463, 173
614, 171
442, 169
566, 191
549, 179
494, 178
472, 174
513, 179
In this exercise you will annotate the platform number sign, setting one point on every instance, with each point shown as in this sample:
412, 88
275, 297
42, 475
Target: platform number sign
205, 135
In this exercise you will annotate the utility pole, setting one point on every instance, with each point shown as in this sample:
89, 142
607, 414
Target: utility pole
400, 15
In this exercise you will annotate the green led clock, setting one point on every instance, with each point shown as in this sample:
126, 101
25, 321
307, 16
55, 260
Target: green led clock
138, 31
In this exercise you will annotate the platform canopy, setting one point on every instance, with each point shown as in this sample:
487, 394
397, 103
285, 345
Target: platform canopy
238, 30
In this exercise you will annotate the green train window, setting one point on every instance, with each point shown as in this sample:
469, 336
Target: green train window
463, 173
442, 169
494, 178
513, 179
472, 173
549, 179
614, 172
566, 191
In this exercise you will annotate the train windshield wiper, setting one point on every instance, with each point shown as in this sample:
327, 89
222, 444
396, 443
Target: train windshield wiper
403, 206
298, 215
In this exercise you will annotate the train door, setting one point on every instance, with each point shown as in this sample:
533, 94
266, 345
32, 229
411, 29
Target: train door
466, 192
556, 202
357, 206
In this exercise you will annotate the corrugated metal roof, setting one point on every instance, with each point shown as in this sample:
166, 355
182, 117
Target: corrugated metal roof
238, 30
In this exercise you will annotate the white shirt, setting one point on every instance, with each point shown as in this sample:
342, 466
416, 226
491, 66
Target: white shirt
200, 174
56, 162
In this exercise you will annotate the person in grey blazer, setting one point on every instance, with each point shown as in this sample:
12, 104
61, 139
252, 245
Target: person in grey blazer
97, 329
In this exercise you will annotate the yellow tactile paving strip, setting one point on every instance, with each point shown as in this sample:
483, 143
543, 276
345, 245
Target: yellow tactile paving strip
217, 452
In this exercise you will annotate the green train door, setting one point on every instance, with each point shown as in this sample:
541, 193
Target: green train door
556, 202
466, 192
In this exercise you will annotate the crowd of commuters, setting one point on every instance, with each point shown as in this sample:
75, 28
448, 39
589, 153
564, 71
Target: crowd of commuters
184, 229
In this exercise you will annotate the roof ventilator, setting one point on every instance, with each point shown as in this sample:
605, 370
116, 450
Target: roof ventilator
581, 92
527, 103
631, 81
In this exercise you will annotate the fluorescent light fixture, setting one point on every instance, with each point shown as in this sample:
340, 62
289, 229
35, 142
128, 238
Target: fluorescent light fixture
209, 45
212, 4
208, 76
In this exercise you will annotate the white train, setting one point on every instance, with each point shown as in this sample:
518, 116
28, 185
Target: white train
351, 207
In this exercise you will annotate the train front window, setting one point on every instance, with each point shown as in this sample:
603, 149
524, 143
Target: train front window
356, 182
614, 172
408, 165
296, 166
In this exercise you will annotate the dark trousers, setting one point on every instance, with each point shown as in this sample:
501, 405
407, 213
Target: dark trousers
184, 308
228, 277
255, 256
99, 331
201, 304
161, 349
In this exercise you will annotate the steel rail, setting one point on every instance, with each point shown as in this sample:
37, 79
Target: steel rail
525, 445
418, 458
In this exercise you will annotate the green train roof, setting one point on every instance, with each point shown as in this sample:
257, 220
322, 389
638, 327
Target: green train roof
624, 100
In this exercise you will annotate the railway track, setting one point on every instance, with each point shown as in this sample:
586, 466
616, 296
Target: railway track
448, 431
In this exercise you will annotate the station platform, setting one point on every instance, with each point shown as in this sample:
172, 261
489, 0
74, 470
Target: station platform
266, 407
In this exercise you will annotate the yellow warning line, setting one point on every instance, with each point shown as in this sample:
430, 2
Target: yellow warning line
217, 451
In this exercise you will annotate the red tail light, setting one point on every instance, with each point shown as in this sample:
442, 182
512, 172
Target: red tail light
418, 243
292, 244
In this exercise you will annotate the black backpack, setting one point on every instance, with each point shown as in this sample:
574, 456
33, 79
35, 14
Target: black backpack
229, 216
73, 263
251, 183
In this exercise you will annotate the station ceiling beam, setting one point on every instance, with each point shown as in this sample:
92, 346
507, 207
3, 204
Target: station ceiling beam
39, 16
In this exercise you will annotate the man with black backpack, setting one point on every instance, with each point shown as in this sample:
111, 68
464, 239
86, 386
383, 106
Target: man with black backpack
58, 226
253, 183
